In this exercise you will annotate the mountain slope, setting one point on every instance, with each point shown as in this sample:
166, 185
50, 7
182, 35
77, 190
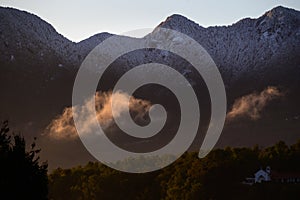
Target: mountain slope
38, 67
250, 45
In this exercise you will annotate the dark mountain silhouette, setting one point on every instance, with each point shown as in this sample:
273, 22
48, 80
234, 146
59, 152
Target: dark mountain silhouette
38, 67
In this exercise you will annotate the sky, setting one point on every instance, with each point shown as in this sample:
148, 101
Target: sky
80, 19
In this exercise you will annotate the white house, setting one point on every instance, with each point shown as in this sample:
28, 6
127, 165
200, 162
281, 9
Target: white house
279, 177
262, 175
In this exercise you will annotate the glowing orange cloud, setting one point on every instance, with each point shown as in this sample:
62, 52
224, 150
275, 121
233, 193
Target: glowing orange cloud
63, 126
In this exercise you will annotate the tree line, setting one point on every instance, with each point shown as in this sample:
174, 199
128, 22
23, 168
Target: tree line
217, 176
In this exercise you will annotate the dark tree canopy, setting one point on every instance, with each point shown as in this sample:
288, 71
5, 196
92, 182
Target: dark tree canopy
21, 174
217, 176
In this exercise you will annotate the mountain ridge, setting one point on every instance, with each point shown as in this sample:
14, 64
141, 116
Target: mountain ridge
38, 67
211, 38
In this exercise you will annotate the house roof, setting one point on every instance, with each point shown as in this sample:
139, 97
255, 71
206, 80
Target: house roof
261, 172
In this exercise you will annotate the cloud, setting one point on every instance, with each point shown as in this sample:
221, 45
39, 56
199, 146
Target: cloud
251, 105
63, 126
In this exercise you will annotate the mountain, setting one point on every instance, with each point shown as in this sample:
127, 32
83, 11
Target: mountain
38, 67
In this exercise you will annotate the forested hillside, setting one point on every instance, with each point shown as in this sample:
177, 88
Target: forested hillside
217, 176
